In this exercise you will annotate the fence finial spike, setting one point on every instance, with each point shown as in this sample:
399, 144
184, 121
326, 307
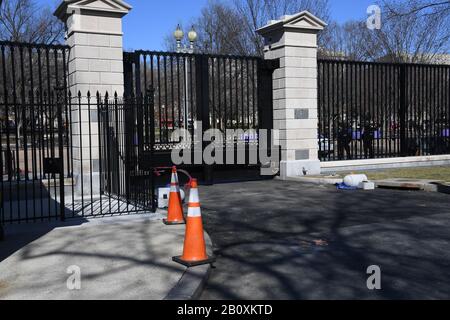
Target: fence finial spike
89, 94
79, 94
116, 95
98, 95
106, 95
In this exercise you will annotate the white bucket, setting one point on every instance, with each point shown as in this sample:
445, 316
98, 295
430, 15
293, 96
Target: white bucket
355, 180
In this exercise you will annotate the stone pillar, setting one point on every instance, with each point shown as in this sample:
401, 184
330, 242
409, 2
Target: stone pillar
94, 34
293, 40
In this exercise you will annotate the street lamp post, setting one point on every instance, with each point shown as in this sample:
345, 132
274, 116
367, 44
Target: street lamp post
192, 37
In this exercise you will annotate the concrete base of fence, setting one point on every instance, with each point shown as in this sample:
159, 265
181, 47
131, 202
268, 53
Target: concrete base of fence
299, 168
390, 163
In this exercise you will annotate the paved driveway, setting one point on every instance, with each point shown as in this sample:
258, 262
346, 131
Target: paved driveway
287, 240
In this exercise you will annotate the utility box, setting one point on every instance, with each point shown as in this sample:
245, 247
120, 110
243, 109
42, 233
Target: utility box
367, 185
163, 197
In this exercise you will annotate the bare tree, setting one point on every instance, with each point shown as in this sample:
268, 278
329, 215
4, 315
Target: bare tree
221, 30
407, 34
25, 21
419, 35
344, 41
257, 13
425, 7
229, 28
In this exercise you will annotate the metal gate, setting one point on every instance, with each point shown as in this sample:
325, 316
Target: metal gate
122, 175
222, 92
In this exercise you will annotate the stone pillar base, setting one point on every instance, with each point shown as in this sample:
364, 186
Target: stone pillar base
299, 168
83, 186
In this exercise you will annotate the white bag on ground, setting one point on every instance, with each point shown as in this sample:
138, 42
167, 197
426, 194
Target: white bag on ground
355, 180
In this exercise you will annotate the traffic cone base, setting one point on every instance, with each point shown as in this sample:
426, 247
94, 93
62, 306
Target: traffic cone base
173, 223
191, 264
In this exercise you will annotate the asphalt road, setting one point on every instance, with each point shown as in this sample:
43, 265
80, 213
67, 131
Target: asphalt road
287, 240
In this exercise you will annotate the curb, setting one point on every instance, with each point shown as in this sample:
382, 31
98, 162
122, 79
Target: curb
419, 185
443, 188
193, 280
427, 186
314, 180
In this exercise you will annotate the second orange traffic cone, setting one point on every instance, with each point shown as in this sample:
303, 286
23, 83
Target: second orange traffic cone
175, 213
194, 251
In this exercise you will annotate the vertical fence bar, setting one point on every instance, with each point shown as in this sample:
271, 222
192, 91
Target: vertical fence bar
59, 104
402, 110
101, 148
81, 150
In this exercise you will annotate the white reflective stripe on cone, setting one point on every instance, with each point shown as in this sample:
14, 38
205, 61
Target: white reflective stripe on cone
194, 212
174, 188
193, 196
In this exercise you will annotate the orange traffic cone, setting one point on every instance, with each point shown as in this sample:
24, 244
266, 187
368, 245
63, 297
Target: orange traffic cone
175, 213
194, 252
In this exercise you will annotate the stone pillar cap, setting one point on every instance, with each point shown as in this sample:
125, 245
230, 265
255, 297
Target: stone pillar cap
116, 7
301, 21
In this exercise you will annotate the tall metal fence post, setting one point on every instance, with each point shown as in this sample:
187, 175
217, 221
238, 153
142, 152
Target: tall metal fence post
403, 111
203, 108
2, 232
150, 105
265, 95
128, 58
60, 98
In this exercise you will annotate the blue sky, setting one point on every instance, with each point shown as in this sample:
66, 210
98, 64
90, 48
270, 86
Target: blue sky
150, 21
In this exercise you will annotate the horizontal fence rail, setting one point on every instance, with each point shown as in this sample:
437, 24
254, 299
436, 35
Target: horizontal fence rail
382, 110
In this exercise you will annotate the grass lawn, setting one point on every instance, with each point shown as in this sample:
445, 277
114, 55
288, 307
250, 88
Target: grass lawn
428, 173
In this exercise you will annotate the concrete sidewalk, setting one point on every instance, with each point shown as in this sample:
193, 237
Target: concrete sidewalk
127, 257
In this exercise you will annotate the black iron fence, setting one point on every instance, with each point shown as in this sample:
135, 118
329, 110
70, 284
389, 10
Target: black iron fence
382, 110
33, 131
31, 162
85, 167
224, 92
66, 155
221, 92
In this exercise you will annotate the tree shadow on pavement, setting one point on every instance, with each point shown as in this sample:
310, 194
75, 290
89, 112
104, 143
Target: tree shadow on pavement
282, 240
